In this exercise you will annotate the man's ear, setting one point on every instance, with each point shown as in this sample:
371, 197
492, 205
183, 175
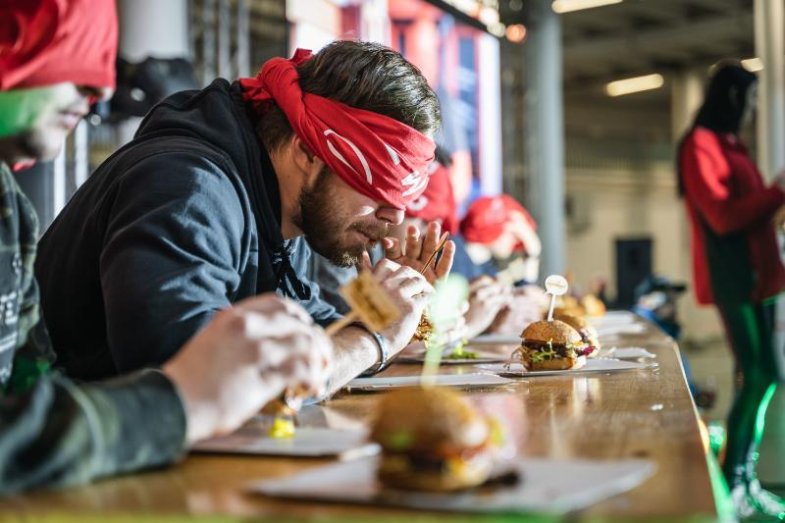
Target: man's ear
307, 162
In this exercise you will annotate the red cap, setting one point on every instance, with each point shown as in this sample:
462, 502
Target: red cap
47, 42
437, 203
487, 217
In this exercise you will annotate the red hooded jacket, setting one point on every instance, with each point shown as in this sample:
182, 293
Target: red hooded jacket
725, 194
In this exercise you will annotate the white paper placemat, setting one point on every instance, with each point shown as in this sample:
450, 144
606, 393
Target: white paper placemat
616, 330
484, 354
308, 442
622, 353
454, 380
546, 486
516, 370
497, 339
615, 317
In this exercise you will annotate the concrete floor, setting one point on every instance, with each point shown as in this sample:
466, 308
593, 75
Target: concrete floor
712, 367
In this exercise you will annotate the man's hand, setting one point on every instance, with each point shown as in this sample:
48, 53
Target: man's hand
525, 307
486, 298
779, 180
244, 358
409, 290
416, 251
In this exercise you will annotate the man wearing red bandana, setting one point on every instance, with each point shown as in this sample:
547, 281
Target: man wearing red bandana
436, 204
55, 55
223, 192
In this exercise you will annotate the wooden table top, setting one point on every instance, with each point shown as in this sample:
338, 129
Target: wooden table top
637, 414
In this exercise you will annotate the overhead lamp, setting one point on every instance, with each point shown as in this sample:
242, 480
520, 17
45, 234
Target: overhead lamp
566, 6
753, 64
634, 85
516, 33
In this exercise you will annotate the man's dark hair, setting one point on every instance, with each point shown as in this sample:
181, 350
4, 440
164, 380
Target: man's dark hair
364, 75
726, 99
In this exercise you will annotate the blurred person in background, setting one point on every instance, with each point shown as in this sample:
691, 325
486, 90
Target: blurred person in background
56, 57
502, 243
736, 264
222, 194
497, 230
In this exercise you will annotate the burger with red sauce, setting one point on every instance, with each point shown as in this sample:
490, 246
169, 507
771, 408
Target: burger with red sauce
550, 345
589, 336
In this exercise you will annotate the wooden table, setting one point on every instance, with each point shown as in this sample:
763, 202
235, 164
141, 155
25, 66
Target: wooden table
642, 414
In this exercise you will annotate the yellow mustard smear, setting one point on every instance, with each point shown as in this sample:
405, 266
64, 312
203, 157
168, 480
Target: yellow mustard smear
282, 428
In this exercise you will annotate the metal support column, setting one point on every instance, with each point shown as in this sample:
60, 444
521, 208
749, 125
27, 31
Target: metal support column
153, 28
243, 56
209, 69
224, 39
544, 137
770, 47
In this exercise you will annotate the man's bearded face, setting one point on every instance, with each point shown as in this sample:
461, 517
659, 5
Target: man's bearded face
338, 222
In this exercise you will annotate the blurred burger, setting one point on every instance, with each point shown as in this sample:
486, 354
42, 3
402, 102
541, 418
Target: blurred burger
593, 306
424, 329
550, 345
568, 305
432, 440
589, 336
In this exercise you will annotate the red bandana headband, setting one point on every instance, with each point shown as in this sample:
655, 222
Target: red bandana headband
46, 42
376, 155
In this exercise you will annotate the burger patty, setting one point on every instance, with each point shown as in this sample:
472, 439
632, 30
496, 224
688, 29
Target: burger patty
435, 460
541, 346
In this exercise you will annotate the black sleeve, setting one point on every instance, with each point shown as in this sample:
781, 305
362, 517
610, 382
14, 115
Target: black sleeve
330, 279
176, 241
322, 312
61, 434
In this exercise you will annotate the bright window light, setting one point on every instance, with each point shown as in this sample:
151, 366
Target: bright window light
565, 6
753, 64
634, 85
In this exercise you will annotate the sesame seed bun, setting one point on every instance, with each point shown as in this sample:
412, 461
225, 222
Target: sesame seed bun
555, 331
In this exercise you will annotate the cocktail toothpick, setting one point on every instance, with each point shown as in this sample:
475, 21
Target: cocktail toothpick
555, 285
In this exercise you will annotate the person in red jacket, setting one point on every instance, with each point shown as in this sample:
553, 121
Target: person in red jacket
736, 264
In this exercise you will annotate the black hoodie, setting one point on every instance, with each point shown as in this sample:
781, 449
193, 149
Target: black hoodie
176, 225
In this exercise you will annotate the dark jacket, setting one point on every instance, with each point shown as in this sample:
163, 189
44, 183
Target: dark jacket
52, 431
176, 225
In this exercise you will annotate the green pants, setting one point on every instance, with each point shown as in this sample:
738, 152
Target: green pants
750, 330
